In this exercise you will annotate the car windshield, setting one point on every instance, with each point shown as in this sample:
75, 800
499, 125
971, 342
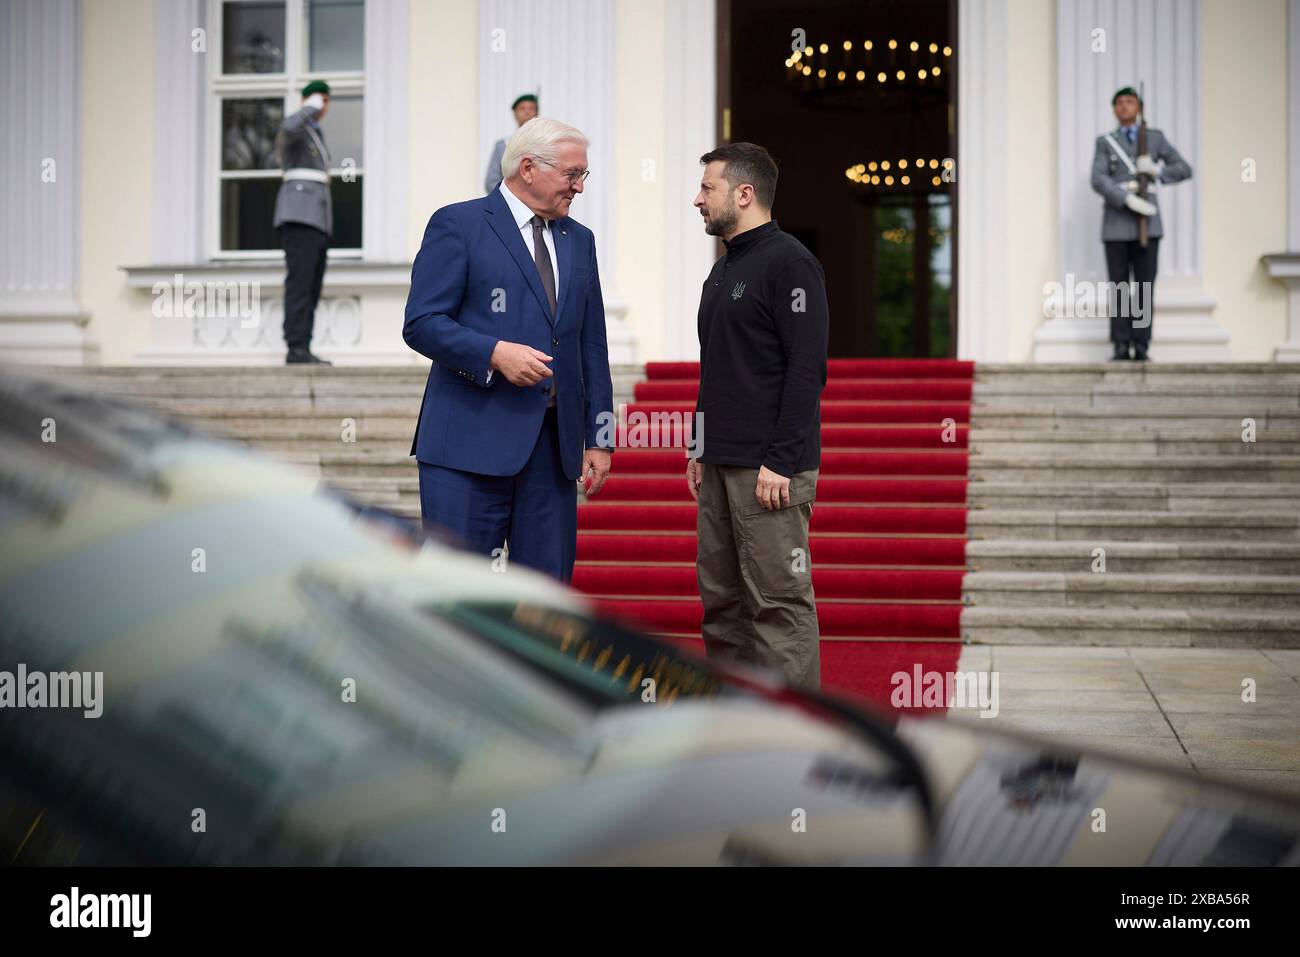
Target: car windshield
602, 662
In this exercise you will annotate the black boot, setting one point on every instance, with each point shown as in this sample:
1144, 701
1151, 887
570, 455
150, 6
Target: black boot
301, 355
1121, 352
1140, 352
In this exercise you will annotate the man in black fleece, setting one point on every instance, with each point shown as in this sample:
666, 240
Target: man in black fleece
763, 325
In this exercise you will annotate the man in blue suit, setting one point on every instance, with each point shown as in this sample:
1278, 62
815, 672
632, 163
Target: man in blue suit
505, 299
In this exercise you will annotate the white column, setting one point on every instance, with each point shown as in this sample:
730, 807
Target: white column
690, 95
1156, 43
1293, 134
178, 132
982, 262
1287, 267
565, 48
384, 211
41, 318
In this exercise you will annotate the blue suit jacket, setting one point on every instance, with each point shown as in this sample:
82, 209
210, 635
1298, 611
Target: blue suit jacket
474, 283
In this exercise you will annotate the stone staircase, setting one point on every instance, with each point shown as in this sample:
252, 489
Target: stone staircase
1200, 530
350, 426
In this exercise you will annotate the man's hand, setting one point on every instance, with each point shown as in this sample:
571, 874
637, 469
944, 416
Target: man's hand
772, 490
694, 475
521, 365
1145, 164
595, 467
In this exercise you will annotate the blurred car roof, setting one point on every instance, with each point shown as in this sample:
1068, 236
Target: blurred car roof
227, 599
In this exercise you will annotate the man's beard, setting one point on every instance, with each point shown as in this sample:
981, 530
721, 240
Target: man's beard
724, 222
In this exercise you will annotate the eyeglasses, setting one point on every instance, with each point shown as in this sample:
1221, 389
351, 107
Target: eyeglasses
574, 178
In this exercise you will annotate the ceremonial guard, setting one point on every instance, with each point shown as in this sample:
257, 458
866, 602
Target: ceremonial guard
304, 218
1126, 166
525, 108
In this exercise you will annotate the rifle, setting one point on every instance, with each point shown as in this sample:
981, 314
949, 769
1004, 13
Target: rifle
1143, 179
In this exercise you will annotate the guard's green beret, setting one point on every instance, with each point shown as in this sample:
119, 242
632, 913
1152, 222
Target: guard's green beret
1125, 91
316, 86
524, 98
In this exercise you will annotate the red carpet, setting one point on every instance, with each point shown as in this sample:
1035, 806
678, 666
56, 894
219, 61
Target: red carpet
888, 531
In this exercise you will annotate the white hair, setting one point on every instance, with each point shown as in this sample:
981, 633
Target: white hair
538, 138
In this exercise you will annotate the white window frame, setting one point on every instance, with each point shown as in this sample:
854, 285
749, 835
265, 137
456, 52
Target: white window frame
221, 86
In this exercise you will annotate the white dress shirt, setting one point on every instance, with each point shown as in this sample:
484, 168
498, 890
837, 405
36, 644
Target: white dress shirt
523, 219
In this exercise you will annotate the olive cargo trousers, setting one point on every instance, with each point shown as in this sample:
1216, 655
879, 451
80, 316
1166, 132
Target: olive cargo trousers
755, 574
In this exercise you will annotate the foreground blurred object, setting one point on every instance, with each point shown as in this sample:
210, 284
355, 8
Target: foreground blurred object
282, 677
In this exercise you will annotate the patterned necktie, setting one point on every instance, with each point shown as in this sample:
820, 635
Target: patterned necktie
542, 257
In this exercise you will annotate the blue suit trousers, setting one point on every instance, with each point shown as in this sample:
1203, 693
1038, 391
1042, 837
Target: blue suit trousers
535, 510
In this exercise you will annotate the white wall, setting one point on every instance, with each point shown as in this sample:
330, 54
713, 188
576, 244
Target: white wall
1245, 95
444, 163
1244, 116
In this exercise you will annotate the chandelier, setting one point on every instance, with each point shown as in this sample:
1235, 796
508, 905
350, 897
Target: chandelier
905, 174
861, 65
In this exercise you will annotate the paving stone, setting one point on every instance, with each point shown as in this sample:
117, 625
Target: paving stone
1216, 751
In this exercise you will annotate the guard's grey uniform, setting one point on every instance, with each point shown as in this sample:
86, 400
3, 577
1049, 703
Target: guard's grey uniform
493, 178
304, 218
300, 145
1114, 167
1110, 173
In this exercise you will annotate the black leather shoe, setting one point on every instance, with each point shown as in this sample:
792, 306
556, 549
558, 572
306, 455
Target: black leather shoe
1140, 354
1121, 352
304, 357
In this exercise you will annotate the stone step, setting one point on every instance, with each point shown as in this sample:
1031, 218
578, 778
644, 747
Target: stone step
1208, 417
356, 464
1113, 589
1168, 384
308, 424
1137, 496
1158, 627
1131, 497
225, 371
397, 444
326, 433
1108, 525
290, 411
1214, 557
370, 489
419, 366
1139, 404
1155, 374
1090, 469
1130, 441
285, 410
272, 380
198, 398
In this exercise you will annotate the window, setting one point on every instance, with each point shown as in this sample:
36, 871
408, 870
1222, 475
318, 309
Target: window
267, 51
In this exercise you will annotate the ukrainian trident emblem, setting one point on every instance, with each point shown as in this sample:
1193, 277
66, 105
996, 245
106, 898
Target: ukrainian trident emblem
738, 291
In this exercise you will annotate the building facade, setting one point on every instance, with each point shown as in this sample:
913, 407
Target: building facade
137, 165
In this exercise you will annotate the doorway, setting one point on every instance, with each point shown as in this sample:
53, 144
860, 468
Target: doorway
856, 101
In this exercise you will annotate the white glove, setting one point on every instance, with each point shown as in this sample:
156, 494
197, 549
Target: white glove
1145, 164
1139, 205
316, 101
1132, 186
